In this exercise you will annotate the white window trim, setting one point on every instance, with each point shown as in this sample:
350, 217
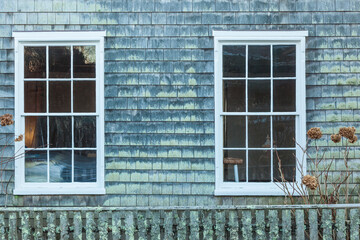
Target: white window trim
294, 37
21, 39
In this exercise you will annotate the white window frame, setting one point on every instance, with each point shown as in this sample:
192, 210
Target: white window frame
257, 37
37, 38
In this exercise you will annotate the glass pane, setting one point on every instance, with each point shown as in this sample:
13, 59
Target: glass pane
259, 131
59, 62
35, 96
234, 132
60, 132
36, 166
233, 159
60, 166
259, 95
84, 96
84, 61
259, 61
284, 64
284, 131
85, 166
284, 96
288, 161
85, 131
35, 62
234, 96
259, 166
234, 61
35, 132
60, 96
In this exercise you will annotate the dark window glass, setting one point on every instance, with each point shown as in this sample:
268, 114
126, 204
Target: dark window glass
60, 132
259, 95
259, 61
84, 96
284, 131
59, 62
36, 166
288, 161
35, 132
234, 166
259, 165
259, 132
284, 63
85, 166
284, 96
85, 131
59, 96
234, 61
60, 166
34, 96
234, 96
35, 62
84, 61
234, 131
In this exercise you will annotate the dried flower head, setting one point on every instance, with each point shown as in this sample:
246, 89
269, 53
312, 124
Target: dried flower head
19, 138
6, 119
347, 132
314, 133
310, 182
335, 138
353, 139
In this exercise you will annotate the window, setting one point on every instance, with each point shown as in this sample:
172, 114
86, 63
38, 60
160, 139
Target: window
59, 109
259, 109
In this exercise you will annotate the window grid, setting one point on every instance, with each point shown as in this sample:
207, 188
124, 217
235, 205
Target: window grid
271, 113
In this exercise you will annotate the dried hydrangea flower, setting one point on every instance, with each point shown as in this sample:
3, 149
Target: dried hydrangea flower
6, 119
19, 138
310, 182
314, 133
347, 132
353, 139
335, 138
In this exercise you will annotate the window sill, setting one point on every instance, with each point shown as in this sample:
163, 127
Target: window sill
250, 189
76, 190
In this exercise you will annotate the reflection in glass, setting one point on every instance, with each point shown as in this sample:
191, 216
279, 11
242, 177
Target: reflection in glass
85, 131
234, 96
259, 165
60, 132
36, 166
35, 132
84, 61
259, 131
232, 159
288, 167
60, 166
284, 64
234, 61
35, 62
259, 94
284, 131
59, 62
59, 96
34, 96
284, 96
234, 131
85, 166
259, 61
84, 96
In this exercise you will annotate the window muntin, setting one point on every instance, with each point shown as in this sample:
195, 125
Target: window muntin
60, 75
259, 109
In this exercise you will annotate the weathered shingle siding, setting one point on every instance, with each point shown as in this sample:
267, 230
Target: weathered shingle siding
159, 105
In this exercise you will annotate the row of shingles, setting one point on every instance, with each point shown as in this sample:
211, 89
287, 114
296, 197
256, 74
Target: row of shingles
179, 6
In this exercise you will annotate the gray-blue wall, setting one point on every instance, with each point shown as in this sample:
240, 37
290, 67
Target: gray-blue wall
159, 106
